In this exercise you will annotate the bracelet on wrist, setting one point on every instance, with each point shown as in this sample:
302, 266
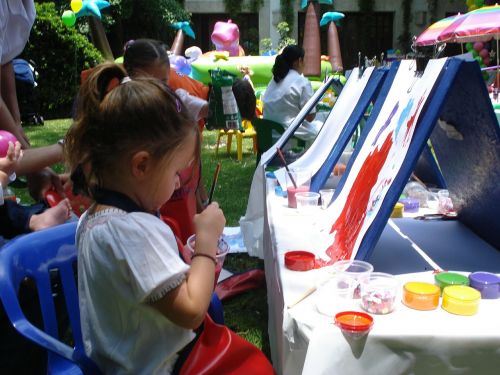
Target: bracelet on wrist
211, 257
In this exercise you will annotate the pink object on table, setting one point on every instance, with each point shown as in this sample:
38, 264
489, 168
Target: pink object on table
291, 191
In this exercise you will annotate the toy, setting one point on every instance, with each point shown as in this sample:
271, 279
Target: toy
5, 138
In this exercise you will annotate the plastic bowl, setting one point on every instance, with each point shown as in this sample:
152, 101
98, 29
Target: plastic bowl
306, 201
379, 292
357, 269
223, 249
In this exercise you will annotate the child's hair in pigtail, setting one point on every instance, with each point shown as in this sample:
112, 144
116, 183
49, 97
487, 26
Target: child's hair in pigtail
115, 118
285, 60
142, 53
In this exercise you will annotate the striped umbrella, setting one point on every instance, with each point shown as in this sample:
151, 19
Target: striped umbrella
430, 35
479, 25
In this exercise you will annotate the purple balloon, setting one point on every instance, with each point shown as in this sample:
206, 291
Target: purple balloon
5, 138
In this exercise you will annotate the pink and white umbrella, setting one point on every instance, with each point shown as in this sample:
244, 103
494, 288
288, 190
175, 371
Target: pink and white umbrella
430, 35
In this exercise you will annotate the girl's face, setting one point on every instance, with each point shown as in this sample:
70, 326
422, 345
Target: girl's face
158, 70
165, 175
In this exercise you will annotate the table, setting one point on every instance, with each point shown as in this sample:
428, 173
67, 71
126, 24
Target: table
303, 341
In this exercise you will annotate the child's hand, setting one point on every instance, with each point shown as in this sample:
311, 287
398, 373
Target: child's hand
209, 225
10, 162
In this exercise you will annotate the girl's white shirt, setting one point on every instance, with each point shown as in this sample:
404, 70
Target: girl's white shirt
124, 261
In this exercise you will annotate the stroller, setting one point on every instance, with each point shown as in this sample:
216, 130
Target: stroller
27, 94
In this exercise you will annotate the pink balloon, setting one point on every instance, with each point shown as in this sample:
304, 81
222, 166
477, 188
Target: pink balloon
478, 46
484, 53
5, 138
486, 60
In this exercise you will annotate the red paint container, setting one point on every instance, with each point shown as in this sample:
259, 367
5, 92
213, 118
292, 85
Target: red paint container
299, 260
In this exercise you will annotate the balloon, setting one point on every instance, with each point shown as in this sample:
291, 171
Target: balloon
474, 53
483, 53
5, 138
180, 63
479, 3
479, 59
472, 7
76, 5
69, 18
487, 60
468, 46
478, 46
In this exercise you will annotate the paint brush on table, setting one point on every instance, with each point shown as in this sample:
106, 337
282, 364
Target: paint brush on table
214, 183
280, 154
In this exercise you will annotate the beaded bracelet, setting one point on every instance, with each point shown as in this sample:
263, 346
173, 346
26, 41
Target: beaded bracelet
211, 257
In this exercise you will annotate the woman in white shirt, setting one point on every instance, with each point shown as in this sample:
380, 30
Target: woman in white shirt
289, 91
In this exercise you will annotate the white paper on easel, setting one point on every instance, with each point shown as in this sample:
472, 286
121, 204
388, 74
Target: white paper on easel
316, 155
348, 218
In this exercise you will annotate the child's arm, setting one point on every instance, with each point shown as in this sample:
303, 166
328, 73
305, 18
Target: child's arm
187, 304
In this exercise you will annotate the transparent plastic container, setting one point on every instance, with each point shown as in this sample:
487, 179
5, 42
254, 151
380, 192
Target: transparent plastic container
379, 292
223, 249
357, 269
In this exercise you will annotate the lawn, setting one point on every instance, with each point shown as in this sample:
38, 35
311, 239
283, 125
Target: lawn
245, 314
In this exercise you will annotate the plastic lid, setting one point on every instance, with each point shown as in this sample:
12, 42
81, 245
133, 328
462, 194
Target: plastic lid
451, 278
299, 260
484, 278
354, 321
418, 287
462, 293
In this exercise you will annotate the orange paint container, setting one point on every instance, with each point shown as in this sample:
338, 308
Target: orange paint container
356, 324
461, 299
421, 296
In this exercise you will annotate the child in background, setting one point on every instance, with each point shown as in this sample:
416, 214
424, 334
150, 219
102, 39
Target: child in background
139, 301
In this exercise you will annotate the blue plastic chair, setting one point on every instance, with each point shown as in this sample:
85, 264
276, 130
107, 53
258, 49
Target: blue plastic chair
38, 256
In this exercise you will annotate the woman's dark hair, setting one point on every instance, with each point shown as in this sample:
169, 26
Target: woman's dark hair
142, 53
117, 117
285, 60
245, 98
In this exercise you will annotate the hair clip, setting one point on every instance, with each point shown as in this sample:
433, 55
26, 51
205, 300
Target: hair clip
128, 44
125, 80
178, 105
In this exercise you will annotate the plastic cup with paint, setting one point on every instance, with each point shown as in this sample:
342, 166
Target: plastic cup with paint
354, 324
297, 181
326, 197
222, 250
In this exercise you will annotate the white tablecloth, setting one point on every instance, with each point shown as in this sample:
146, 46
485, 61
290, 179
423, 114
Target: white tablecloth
406, 341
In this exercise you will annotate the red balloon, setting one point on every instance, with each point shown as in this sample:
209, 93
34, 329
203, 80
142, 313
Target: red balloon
5, 138
486, 60
483, 53
478, 46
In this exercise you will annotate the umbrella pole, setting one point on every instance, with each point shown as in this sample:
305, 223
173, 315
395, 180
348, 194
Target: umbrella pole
497, 78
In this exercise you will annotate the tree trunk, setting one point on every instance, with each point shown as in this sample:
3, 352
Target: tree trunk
311, 43
178, 43
99, 39
334, 48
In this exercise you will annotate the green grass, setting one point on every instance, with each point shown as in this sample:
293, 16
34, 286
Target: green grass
246, 314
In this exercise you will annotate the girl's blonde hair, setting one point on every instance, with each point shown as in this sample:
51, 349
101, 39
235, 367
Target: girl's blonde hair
115, 118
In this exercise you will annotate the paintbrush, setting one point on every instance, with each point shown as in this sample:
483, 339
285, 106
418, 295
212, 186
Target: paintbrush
214, 183
280, 154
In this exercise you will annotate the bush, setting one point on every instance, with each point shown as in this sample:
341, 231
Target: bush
60, 54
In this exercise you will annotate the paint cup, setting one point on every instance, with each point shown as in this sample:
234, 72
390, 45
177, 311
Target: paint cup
336, 294
357, 269
222, 250
326, 197
354, 324
445, 205
307, 202
379, 292
297, 181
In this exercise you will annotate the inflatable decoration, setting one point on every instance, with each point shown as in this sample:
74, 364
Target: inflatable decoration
92, 8
181, 64
192, 53
311, 42
182, 28
330, 19
226, 37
